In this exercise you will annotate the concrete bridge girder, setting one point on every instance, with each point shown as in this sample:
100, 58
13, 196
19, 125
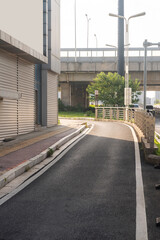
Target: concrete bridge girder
77, 77
109, 66
83, 73
88, 67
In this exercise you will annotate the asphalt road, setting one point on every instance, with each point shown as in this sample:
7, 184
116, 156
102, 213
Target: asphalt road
90, 194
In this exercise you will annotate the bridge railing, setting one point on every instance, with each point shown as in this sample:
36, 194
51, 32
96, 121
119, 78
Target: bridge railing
143, 120
99, 54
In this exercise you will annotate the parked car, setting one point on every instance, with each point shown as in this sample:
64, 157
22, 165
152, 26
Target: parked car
150, 109
135, 105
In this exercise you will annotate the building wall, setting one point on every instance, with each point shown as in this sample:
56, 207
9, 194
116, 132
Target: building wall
23, 20
51, 70
16, 116
53, 37
39, 101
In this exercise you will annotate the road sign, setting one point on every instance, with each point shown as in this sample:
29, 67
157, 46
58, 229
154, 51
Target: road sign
96, 92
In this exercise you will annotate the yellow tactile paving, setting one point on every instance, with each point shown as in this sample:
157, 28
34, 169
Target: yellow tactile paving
31, 141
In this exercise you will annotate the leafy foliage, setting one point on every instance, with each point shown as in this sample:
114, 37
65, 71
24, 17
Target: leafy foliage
111, 89
157, 101
78, 108
157, 152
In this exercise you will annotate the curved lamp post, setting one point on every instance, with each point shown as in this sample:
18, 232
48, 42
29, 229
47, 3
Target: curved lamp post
109, 45
113, 46
127, 94
96, 43
75, 16
88, 19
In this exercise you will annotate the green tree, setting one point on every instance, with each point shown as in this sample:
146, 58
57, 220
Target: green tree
157, 101
111, 89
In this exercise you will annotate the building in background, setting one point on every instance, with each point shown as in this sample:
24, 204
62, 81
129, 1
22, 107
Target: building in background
29, 65
157, 96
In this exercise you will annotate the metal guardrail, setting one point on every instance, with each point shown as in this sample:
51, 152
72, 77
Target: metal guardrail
143, 120
99, 54
157, 109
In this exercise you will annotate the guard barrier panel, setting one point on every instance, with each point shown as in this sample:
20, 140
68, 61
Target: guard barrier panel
143, 120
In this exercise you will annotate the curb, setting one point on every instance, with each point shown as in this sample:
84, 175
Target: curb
24, 167
153, 159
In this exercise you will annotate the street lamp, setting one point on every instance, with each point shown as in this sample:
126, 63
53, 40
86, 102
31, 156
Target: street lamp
146, 44
96, 43
109, 45
127, 93
88, 19
75, 16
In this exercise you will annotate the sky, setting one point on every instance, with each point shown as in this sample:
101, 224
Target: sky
106, 27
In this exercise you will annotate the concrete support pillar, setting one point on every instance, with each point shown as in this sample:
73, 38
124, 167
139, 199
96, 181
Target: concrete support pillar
79, 96
66, 93
74, 94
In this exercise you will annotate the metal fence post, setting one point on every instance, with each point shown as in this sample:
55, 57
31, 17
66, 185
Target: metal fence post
110, 113
96, 113
103, 113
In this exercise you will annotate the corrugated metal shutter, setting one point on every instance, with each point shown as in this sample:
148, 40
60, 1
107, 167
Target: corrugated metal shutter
8, 108
52, 99
26, 105
38, 94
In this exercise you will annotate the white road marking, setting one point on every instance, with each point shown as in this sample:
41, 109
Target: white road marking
141, 222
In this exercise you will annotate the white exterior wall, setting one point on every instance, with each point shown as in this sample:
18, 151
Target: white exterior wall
23, 20
55, 35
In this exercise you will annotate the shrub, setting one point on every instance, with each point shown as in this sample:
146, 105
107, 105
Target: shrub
50, 152
61, 106
90, 108
158, 145
88, 113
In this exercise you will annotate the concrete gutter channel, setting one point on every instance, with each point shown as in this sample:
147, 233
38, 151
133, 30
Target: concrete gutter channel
24, 167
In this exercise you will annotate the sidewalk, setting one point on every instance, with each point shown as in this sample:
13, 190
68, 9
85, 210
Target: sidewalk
25, 147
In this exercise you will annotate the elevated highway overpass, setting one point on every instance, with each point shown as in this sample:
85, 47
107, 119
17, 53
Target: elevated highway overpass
77, 72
